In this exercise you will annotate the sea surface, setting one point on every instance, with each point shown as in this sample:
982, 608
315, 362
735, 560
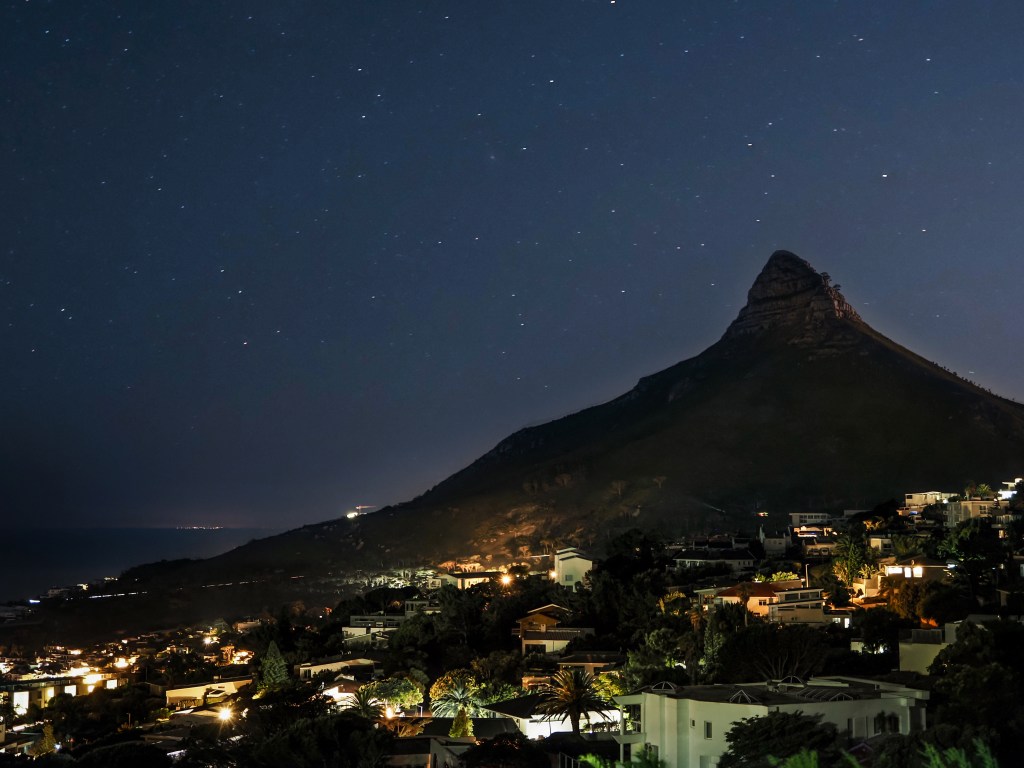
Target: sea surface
34, 560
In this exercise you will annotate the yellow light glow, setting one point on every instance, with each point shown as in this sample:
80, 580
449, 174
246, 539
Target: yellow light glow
553, 575
224, 714
506, 579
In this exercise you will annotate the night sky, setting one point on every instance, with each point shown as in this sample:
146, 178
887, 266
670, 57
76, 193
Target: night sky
266, 261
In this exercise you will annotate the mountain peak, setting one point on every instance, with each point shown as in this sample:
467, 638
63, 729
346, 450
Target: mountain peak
789, 293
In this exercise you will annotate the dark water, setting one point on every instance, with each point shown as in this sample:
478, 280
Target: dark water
33, 560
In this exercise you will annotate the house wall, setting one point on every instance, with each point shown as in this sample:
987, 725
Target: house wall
178, 696
570, 569
690, 732
775, 545
917, 657
307, 671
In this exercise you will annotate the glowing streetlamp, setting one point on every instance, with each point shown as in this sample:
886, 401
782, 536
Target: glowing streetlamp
506, 580
224, 714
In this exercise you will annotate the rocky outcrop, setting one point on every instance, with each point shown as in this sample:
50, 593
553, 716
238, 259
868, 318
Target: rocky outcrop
789, 294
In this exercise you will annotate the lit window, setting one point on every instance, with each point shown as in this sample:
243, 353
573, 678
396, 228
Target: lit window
918, 571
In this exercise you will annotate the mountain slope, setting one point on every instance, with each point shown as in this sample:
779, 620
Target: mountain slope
799, 405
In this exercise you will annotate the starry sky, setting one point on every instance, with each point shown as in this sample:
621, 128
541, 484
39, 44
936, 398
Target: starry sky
266, 261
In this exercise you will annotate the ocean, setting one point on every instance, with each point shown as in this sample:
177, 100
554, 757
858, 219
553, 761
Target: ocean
34, 560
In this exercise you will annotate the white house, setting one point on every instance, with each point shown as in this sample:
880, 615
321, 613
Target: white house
540, 631
348, 665
686, 726
39, 690
737, 559
919, 648
796, 519
774, 543
915, 502
465, 580
782, 602
968, 509
918, 651
1010, 488
571, 565
195, 695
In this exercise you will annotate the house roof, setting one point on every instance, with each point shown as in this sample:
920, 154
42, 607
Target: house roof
345, 685
591, 657
715, 554
483, 727
819, 690
538, 618
521, 706
550, 608
753, 589
561, 633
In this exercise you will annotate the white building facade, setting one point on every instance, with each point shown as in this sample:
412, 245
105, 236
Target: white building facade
686, 726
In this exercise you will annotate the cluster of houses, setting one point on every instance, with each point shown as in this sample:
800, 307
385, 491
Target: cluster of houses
684, 725
35, 681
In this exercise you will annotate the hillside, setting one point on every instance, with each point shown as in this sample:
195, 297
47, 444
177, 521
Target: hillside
800, 405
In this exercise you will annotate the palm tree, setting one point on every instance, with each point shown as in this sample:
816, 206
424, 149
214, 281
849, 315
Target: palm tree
571, 693
365, 705
696, 617
462, 696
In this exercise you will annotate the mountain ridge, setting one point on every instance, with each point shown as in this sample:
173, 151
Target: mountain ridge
800, 404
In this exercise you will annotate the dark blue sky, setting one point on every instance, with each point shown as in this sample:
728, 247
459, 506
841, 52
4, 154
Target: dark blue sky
265, 261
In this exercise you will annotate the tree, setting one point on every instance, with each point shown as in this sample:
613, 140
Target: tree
659, 657
45, 744
453, 678
462, 726
985, 696
975, 546
336, 741
273, 670
571, 693
774, 652
853, 558
365, 705
880, 629
753, 741
462, 697
499, 673
920, 751
936, 601
645, 758
507, 750
397, 692
128, 755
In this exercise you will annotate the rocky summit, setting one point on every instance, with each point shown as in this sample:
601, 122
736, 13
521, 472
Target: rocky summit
789, 294
800, 405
